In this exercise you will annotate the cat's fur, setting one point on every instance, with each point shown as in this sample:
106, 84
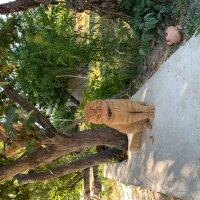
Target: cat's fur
126, 116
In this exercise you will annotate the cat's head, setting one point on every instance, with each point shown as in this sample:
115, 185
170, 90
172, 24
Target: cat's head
96, 112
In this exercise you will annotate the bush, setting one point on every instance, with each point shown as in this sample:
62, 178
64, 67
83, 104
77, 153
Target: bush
104, 82
146, 15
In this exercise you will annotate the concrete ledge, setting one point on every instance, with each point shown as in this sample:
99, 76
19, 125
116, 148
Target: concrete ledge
170, 164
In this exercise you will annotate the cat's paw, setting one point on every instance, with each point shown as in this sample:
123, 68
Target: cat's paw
151, 115
147, 125
152, 109
135, 143
141, 103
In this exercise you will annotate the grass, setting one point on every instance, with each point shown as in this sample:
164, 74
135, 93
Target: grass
193, 21
187, 13
111, 190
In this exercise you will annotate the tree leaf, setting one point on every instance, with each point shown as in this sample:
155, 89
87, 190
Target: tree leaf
11, 132
10, 114
16, 182
29, 146
142, 52
31, 120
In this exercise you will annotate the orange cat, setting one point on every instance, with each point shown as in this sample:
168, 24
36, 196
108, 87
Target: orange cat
126, 116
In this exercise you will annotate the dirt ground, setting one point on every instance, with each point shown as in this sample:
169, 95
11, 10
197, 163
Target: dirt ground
160, 53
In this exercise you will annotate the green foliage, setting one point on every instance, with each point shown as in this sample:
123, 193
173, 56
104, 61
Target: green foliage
180, 8
112, 74
111, 190
11, 117
119, 46
103, 82
11, 190
55, 190
49, 46
8, 35
193, 21
25, 123
8, 32
29, 146
187, 13
63, 117
146, 16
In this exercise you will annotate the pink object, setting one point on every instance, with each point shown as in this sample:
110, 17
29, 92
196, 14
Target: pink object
173, 35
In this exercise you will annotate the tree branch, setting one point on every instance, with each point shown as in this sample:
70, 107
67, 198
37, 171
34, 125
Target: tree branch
61, 145
74, 123
78, 165
73, 99
74, 181
41, 119
22, 5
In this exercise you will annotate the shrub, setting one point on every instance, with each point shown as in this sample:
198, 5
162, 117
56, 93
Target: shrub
146, 15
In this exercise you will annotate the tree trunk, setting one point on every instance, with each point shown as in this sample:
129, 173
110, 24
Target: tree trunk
73, 99
86, 178
97, 183
106, 8
22, 5
75, 180
61, 145
75, 166
92, 185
